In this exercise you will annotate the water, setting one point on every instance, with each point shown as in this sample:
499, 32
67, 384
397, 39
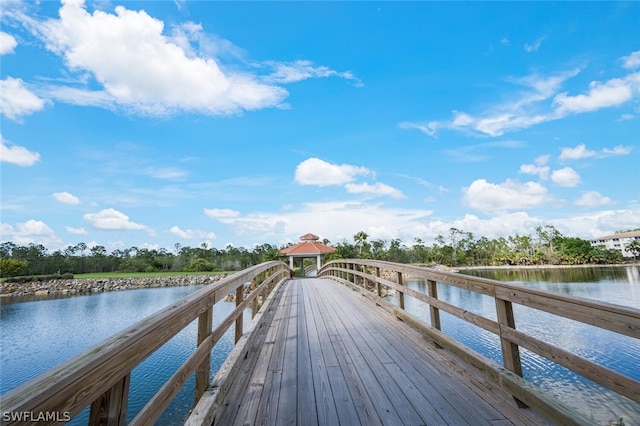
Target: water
38, 334
618, 285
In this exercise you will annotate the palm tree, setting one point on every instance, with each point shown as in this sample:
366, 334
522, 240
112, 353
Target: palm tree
634, 247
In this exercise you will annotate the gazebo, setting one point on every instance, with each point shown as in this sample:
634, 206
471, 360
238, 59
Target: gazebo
309, 246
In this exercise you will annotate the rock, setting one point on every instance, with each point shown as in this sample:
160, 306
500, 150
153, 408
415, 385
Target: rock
41, 288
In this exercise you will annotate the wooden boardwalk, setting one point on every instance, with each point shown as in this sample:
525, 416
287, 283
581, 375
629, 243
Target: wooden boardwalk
332, 357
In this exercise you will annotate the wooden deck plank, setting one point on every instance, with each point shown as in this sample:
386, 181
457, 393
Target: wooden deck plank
345, 409
234, 399
325, 406
354, 347
305, 371
363, 405
259, 377
268, 406
287, 400
480, 399
369, 337
332, 357
454, 403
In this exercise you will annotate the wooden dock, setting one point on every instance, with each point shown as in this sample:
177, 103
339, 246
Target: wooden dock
330, 356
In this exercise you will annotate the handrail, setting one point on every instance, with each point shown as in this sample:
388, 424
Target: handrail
619, 319
100, 375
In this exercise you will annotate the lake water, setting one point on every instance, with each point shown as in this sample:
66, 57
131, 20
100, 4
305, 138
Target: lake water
36, 335
618, 285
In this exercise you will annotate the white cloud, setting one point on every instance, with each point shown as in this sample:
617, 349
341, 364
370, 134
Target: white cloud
145, 71
16, 100
31, 231
566, 177
532, 169
221, 213
531, 106
618, 150
632, 61
7, 43
521, 113
593, 199
510, 195
533, 47
599, 223
66, 198
334, 220
111, 220
577, 153
192, 234
375, 189
76, 231
611, 93
581, 151
539, 167
314, 171
168, 173
18, 155
290, 72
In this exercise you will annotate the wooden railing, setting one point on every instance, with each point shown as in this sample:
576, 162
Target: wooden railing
99, 377
369, 277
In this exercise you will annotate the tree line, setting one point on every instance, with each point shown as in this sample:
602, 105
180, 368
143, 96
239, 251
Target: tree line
547, 246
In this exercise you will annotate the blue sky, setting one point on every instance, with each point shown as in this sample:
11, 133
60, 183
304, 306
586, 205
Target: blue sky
154, 123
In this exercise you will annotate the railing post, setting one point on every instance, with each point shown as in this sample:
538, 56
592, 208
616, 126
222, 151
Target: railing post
111, 407
239, 321
378, 289
205, 323
510, 351
254, 303
435, 312
400, 294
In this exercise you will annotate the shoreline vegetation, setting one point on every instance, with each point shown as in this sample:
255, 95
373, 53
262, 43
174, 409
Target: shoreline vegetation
98, 283
94, 269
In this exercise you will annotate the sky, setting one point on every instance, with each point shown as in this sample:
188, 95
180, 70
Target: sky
151, 124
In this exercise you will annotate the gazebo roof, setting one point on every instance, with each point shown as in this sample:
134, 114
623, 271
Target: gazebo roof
308, 246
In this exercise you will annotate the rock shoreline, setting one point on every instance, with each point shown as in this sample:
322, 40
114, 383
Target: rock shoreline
98, 285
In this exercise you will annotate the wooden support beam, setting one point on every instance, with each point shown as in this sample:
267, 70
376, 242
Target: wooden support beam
240, 320
205, 322
110, 409
400, 293
510, 351
434, 312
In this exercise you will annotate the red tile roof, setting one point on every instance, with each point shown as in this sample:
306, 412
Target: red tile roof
308, 245
309, 237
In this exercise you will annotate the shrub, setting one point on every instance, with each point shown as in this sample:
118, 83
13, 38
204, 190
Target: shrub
12, 267
200, 265
29, 278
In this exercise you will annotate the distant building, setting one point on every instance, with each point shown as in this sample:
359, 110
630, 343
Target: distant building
617, 241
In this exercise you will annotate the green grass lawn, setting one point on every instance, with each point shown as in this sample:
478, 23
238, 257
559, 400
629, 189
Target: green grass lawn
144, 274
